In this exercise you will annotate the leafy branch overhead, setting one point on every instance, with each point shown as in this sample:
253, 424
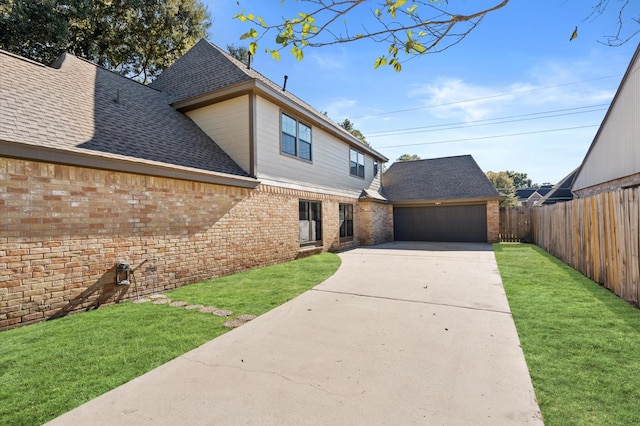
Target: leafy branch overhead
407, 28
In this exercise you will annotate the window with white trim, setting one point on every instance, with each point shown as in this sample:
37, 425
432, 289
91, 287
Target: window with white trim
356, 163
296, 137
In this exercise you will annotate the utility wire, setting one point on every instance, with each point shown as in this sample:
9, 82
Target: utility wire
484, 122
487, 137
499, 95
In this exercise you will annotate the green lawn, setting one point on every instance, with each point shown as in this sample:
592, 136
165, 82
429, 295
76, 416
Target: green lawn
47, 369
581, 342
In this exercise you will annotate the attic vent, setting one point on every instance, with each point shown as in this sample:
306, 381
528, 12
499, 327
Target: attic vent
284, 86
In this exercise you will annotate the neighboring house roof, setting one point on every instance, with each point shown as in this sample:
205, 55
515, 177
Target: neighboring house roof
449, 178
525, 193
544, 189
80, 108
206, 72
614, 152
560, 192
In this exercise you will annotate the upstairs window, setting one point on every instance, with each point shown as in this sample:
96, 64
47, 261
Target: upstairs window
296, 138
356, 163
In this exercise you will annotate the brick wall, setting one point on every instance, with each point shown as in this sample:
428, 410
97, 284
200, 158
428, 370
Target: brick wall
493, 221
376, 222
63, 228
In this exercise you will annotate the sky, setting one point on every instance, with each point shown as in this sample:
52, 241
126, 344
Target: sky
516, 94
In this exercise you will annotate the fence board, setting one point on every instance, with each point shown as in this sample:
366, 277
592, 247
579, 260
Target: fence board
599, 236
515, 224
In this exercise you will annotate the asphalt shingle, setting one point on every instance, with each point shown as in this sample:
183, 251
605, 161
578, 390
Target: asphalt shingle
445, 178
80, 107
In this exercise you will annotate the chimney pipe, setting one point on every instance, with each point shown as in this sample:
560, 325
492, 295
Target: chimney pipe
249, 61
284, 87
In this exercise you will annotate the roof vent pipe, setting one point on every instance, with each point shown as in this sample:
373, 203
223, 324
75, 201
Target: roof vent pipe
284, 87
249, 61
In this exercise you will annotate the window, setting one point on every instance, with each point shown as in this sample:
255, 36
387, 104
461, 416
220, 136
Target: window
346, 222
356, 163
310, 221
296, 138
375, 168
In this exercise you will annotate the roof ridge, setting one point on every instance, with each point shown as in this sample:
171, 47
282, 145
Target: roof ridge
22, 58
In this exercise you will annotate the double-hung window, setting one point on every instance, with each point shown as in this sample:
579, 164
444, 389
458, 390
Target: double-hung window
296, 138
310, 222
346, 221
356, 163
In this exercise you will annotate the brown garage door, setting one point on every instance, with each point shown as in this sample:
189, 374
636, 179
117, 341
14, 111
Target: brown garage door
441, 223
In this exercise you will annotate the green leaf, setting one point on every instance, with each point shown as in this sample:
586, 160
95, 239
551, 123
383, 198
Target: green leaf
297, 53
253, 46
252, 33
381, 61
275, 55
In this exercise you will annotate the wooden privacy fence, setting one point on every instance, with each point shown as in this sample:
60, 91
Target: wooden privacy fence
598, 236
515, 224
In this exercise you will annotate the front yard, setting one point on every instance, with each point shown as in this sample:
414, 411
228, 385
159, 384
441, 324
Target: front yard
47, 369
581, 342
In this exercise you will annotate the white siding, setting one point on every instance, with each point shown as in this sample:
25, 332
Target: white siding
329, 168
616, 151
227, 123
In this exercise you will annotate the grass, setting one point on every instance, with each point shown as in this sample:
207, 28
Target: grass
49, 368
581, 342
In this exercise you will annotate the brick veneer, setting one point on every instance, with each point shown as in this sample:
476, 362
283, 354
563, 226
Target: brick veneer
376, 222
63, 228
493, 221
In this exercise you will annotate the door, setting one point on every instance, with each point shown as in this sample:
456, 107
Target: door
441, 223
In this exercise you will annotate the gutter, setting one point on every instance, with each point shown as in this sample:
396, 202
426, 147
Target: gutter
122, 163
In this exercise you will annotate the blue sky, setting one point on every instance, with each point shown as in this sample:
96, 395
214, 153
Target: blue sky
516, 93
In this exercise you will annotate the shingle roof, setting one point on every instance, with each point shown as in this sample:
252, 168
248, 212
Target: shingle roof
206, 68
561, 191
203, 69
446, 178
79, 107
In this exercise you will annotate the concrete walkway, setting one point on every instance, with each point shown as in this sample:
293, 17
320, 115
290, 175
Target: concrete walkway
403, 333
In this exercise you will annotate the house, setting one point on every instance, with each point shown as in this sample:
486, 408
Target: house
613, 160
531, 196
442, 199
560, 192
210, 170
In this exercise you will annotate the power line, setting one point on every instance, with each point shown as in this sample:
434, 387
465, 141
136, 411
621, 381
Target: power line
498, 95
486, 122
487, 137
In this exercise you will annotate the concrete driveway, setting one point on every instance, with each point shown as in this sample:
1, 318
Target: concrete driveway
403, 333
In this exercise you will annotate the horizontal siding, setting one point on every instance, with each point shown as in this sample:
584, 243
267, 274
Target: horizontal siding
616, 151
329, 168
227, 123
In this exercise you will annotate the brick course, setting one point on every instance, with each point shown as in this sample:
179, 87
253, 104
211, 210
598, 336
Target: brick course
63, 228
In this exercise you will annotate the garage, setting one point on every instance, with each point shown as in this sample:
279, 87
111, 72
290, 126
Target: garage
446, 199
466, 223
